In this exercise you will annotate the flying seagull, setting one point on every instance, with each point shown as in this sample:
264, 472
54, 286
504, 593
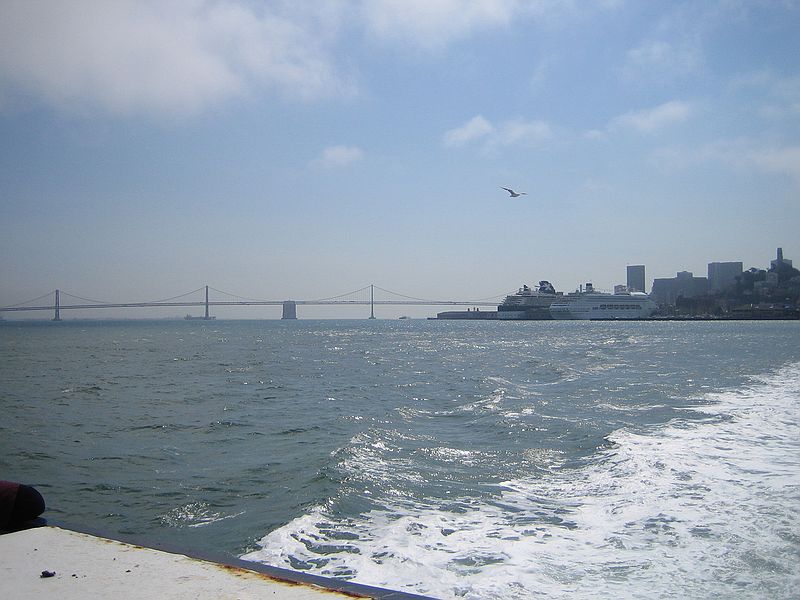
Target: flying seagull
513, 193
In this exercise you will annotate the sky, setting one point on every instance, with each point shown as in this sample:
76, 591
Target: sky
300, 150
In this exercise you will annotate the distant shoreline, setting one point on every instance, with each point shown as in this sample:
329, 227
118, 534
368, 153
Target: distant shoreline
492, 316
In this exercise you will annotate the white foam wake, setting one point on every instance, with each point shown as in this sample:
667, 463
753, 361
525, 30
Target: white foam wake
695, 508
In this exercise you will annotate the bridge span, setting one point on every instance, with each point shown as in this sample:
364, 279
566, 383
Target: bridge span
361, 297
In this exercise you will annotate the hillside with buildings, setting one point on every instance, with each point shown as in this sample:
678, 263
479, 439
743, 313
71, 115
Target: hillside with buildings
731, 291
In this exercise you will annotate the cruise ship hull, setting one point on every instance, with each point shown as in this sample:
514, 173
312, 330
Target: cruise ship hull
531, 314
598, 307
526, 305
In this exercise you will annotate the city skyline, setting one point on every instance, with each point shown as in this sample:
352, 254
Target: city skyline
721, 270
277, 151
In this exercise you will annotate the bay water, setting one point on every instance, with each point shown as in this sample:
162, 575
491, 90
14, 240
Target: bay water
456, 459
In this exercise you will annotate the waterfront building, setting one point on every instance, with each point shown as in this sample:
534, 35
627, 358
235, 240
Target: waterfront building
666, 291
636, 278
723, 275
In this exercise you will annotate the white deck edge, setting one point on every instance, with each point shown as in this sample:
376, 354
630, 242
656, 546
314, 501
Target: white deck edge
88, 565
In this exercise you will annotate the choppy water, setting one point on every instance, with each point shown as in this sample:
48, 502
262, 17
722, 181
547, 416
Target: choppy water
454, 459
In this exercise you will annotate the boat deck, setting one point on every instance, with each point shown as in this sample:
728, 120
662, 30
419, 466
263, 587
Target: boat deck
51, 562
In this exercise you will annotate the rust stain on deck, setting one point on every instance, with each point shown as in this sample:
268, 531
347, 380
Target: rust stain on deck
241, 572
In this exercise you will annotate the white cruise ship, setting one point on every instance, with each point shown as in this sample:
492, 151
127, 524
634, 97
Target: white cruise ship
528, 303
592, 305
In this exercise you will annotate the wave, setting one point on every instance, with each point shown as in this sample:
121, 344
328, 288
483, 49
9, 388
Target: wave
697, 508
194, 514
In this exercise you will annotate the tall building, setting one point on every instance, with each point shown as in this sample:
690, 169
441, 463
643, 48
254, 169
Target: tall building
779, 262
684, 285
636, 278
722, 275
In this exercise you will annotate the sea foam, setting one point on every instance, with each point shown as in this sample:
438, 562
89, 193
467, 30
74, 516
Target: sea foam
698, 508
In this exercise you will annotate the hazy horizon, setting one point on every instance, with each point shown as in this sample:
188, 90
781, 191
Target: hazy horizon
279, 151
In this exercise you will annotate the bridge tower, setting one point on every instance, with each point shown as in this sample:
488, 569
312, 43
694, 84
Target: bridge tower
289, 309
372, 301
57, 316
207, 316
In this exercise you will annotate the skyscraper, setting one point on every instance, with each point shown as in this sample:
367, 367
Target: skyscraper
780, 262
722, 275
636, 278
683, 285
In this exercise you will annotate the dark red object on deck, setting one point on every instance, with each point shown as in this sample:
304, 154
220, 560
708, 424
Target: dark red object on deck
19, 503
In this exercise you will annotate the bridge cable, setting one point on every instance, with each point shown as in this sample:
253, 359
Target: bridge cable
29, 301
497, 297
148, 302
63, 293
366, 287
200, 289
238, 296
429, 300
403, 295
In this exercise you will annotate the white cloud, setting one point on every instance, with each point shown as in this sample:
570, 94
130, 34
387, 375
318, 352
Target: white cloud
338, 156
784, 160
476, 128
660, 61
777, 97
740, 153
145, 56
595, 134
521, 131
648, 120
541, 73
516, 131
127, 57
434, 23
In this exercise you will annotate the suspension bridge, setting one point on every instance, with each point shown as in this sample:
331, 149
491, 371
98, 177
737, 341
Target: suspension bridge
58, 301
